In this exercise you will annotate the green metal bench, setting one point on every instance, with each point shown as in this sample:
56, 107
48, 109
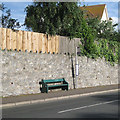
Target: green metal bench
49, 84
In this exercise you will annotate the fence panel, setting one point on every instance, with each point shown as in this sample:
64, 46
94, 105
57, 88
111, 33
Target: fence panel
36, 42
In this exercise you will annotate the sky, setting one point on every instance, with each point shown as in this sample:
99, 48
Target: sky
17, 8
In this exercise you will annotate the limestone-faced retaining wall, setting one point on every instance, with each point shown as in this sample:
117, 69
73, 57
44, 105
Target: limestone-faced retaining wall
22, 72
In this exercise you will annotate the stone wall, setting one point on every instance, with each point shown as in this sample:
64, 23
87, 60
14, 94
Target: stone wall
22, 72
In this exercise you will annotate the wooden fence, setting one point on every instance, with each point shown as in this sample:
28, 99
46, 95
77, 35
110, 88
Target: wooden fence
36, 42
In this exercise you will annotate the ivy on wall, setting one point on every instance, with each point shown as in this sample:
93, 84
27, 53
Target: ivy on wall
101, 48
99, 41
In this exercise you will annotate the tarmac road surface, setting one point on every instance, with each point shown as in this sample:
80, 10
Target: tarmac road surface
102, 105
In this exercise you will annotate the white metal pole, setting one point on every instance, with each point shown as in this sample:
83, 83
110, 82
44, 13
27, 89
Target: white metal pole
76, 69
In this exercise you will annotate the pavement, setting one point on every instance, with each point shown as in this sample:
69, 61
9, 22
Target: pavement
55, 95
103, 105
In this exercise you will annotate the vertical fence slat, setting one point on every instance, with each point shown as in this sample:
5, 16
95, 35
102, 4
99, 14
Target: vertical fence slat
37, 36
46, 44
17, 40
52, 40
29, 48
33, 42
60, 45
64, 44
24, 41
3, 38
57, 44
76, 43
49, 43
20, 40
67, 43
53, 44
13, 40
71, 46
8, 39
43, 43
40, 42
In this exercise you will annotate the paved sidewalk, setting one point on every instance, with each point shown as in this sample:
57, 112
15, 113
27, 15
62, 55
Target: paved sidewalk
51, 95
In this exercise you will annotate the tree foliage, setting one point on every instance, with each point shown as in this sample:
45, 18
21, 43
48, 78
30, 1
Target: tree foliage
7, 21
61, 18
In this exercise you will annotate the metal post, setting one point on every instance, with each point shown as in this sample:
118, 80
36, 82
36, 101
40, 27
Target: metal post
76, 69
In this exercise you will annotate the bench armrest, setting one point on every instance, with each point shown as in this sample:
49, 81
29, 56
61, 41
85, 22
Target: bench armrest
40, 82
65, 82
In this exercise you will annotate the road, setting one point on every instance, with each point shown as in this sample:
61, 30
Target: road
104, 105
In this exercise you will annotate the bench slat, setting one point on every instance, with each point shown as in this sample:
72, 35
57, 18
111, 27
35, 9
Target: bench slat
58, 85
53, 80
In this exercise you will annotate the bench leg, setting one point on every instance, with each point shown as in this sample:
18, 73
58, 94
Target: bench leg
42, 90
46, 89
63, 88
67, 88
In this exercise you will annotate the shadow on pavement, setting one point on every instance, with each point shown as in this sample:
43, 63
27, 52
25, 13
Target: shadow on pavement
97, 116
105, 98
